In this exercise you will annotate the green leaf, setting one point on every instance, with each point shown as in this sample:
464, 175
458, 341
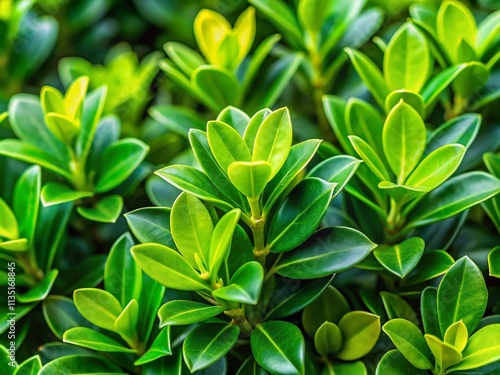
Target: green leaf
250, 367
56, 193
253, 127
26, 202
410, 342
370, 74
176, 119
216, 86
118, 162
80, 364
488, 31
494, 262
446, 355
226, 144
151, 224
437, 167
456, 335
184, 57
291, 298
195, 182
88, 338
337, 169
192, 228
428, 310
299, 215
31, 366
150, 300
401, 193
207, 343
328, 338
126, 323
394, 363
360, 332
167, 267
41, 290
245, 285
250, 178
201, 149
397, 307
328, 251
62, 127
432, 264
482, 348
8, 223
23, 151
61, 314
370, 157
402, 258
438, 83
274, 139
413, 99
220, 243
300, 155
15, 245
335, 111
330, 306
407, 60
454, 196
404, 139
98, 307
160, 347
349, 368
234, 117
462, 295
275, 353
454, 23
94, 106
186, 312
106, 210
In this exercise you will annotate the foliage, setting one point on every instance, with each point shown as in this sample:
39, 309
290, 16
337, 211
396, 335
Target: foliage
249, 187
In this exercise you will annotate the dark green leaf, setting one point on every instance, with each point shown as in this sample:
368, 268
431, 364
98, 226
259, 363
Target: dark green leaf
402, 258
80, 364
61, 314
244, 286
394, 363
158, 349
151, 224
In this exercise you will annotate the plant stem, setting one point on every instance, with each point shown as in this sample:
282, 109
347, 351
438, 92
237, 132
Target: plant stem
260, 250
272, 270
239, 318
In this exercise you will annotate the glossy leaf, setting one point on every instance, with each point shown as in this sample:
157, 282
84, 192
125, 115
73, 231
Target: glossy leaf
274, 139
445, 354
226, 144
31, 366
8, 223
370, 157
432, 264
404, 139
160, 347
278, 346
151, 224
217, 86
300, 214
88, 338
26, 202
462, 295
360, 332
167, 267
61, 314
207, 343
56, 193
428, 309
454, 196
98, 307
220, 243
457, 335
80, 364
328, 251
186, 312
413, 99
394, 362
328, 338
410, 342
41, 290
402, 258
245, 285
192, 228
250, 178
106, 210
494, 262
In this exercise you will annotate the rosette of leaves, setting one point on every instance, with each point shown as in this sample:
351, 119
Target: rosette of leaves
456, 340
455, 37
225, 75
243, 228
117, 322
341, 336
319, 30
406, 180
128, 81
31, 238
408, 72
26, 41
67, 136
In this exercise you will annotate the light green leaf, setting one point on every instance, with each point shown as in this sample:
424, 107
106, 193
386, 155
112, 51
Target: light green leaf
98, 307
274, 139
151, 224
410, 342
56, 193
8, 223
404, 139
360, 332
245, 285
106, 210
126, 322
457, 335
77, 364
412, 98
167, 267
402, 258
328, 338
250, 178
220, 243
446, 355
180, 312
192, 228
370, 157
91, 339
26, 202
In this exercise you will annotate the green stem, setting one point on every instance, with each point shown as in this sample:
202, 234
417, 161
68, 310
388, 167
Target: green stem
257, 224
394, 221
238, 317
272, 270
